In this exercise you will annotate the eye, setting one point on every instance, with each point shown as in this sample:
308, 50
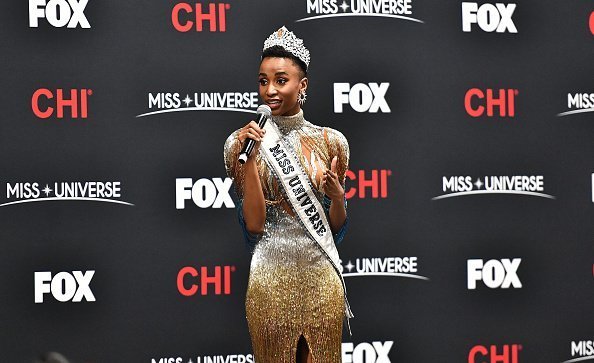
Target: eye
263, 81
282, 81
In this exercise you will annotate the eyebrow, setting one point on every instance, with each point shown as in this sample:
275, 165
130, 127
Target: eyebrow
276, 74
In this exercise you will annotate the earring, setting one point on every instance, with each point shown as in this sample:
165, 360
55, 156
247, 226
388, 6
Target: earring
302, 97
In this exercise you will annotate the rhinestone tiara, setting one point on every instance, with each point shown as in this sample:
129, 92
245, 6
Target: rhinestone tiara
286, 39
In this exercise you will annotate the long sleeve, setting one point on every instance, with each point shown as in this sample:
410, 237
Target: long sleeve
338, 236
338, 146
235, 172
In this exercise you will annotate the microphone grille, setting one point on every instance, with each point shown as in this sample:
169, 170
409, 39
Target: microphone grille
265, 109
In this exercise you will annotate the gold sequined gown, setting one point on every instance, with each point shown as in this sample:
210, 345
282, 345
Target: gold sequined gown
293, 290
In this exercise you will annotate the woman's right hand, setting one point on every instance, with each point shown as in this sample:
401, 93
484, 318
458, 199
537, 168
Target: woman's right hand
254, 132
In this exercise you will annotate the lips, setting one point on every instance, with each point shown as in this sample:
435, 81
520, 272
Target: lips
274, 103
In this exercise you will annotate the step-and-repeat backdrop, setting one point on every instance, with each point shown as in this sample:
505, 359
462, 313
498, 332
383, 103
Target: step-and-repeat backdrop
470, 185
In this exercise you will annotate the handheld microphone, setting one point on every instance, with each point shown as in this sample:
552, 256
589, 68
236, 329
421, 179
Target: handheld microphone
263, 113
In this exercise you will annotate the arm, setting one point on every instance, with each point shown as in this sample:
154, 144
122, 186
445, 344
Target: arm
251, 205
335, 192
335, 202
337, 214
254, 205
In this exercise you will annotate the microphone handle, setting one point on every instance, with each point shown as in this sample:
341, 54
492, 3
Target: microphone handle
248, 146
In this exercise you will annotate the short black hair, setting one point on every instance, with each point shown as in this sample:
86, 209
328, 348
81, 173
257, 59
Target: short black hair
277, 51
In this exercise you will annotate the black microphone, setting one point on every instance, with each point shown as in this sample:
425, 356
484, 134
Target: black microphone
263, 113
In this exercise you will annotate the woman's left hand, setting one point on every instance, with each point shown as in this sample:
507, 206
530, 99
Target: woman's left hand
330, 183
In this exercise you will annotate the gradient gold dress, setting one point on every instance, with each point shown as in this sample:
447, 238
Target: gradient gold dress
293, 290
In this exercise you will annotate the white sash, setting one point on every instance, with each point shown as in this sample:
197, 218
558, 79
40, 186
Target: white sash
282, 160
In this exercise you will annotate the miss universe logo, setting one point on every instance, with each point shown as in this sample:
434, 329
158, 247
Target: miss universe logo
88, 191
395, 9
462, 185
165, 102
383, 266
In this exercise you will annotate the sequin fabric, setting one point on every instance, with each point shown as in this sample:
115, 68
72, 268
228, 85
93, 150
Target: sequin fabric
293, 289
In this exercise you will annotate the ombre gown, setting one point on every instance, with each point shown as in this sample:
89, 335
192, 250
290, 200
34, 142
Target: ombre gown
293, 290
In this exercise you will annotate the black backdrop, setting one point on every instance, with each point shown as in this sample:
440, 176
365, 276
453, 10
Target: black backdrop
132, 50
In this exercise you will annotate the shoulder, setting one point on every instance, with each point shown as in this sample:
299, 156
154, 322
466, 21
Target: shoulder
334, 138
337, 139
338, 146
231, 149
232, 137
335, 135
232, 141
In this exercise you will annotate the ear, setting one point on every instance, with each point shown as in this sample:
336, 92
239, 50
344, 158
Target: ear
303, 84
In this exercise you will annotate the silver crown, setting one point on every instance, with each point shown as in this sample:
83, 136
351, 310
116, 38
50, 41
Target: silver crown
289, 42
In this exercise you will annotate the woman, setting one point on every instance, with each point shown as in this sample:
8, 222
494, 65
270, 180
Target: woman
295, 301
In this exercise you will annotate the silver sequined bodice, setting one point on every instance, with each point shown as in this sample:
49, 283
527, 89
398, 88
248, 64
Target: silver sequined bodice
285, 241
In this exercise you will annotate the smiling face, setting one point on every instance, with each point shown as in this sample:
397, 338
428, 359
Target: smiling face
280, 81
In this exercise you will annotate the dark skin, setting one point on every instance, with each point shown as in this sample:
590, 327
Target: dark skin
280, 81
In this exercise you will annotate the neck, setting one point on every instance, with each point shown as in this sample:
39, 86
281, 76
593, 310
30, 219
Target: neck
289, 123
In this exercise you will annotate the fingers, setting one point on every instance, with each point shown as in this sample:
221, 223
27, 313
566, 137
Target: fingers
331, 174
248, 134
254, 126
329, 184
329, 179
257, 128
252, 131
334, 162
253, 134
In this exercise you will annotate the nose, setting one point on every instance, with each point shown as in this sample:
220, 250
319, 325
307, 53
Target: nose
270, 90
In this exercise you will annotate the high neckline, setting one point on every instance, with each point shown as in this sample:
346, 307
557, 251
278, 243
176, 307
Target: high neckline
289, 123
